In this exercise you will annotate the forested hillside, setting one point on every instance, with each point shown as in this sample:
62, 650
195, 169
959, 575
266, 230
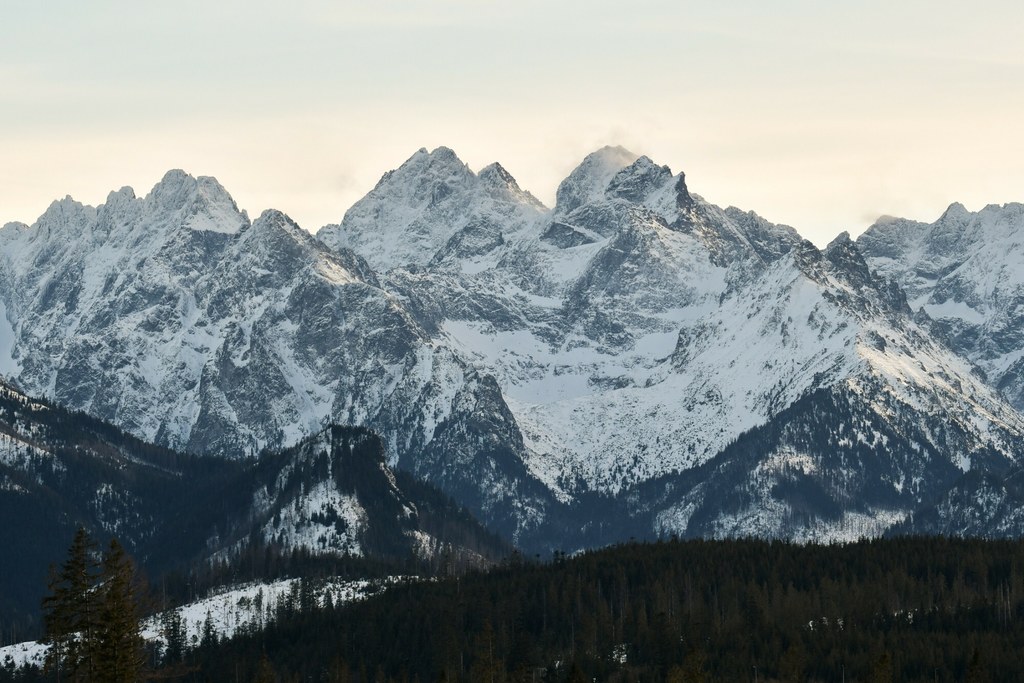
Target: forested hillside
329, 505
908, 609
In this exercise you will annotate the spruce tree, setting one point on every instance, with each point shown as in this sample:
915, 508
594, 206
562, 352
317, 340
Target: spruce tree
119, 647
71, 612
174, 635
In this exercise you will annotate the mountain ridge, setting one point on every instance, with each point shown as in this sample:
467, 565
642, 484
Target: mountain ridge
524, 359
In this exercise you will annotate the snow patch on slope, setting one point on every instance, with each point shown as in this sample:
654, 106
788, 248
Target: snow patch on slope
322, 520
229, 610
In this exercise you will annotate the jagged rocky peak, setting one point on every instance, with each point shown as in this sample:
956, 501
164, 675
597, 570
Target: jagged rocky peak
177, 201
954, 230
123, 196
496, 175
11, 230
955, 211
963, 273
639, 180
201, 202
897, 238
847, 259
684, 200
282, 249
412, 216
273, 219
590, 179
66, 213
890, 236
273, 237
442, 165
840, 259
843, 248
501, 185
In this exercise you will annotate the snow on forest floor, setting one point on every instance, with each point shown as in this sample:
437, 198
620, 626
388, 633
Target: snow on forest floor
232, 609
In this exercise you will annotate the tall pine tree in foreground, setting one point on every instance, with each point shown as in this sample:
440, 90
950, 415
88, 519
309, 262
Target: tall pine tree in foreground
91, 616
70, 612
119, 646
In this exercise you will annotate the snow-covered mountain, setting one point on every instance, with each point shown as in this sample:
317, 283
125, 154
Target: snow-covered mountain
181, 321
333, 493
640, 331
152, 313
965, 272
528, 361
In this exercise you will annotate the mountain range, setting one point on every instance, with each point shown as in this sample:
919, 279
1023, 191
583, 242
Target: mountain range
634, 361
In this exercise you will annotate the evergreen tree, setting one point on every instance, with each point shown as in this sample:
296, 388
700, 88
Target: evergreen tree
120, 649
91, 616
174, 635
71, 612
208, 639
793, 663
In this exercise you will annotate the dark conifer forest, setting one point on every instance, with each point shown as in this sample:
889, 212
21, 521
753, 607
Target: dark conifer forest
906, 609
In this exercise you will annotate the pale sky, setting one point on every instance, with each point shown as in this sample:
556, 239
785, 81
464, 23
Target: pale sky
820, 115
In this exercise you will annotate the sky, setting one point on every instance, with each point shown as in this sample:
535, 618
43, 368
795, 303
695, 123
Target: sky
822, 116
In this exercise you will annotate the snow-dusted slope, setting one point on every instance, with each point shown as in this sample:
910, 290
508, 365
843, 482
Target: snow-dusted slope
333, 493
966, 272
981, 504
226, 612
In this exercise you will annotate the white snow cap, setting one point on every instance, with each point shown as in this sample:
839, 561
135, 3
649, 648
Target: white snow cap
589, 180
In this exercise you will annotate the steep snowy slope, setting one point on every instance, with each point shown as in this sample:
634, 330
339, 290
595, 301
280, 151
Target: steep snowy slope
800, 326
965, 272
877, 418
